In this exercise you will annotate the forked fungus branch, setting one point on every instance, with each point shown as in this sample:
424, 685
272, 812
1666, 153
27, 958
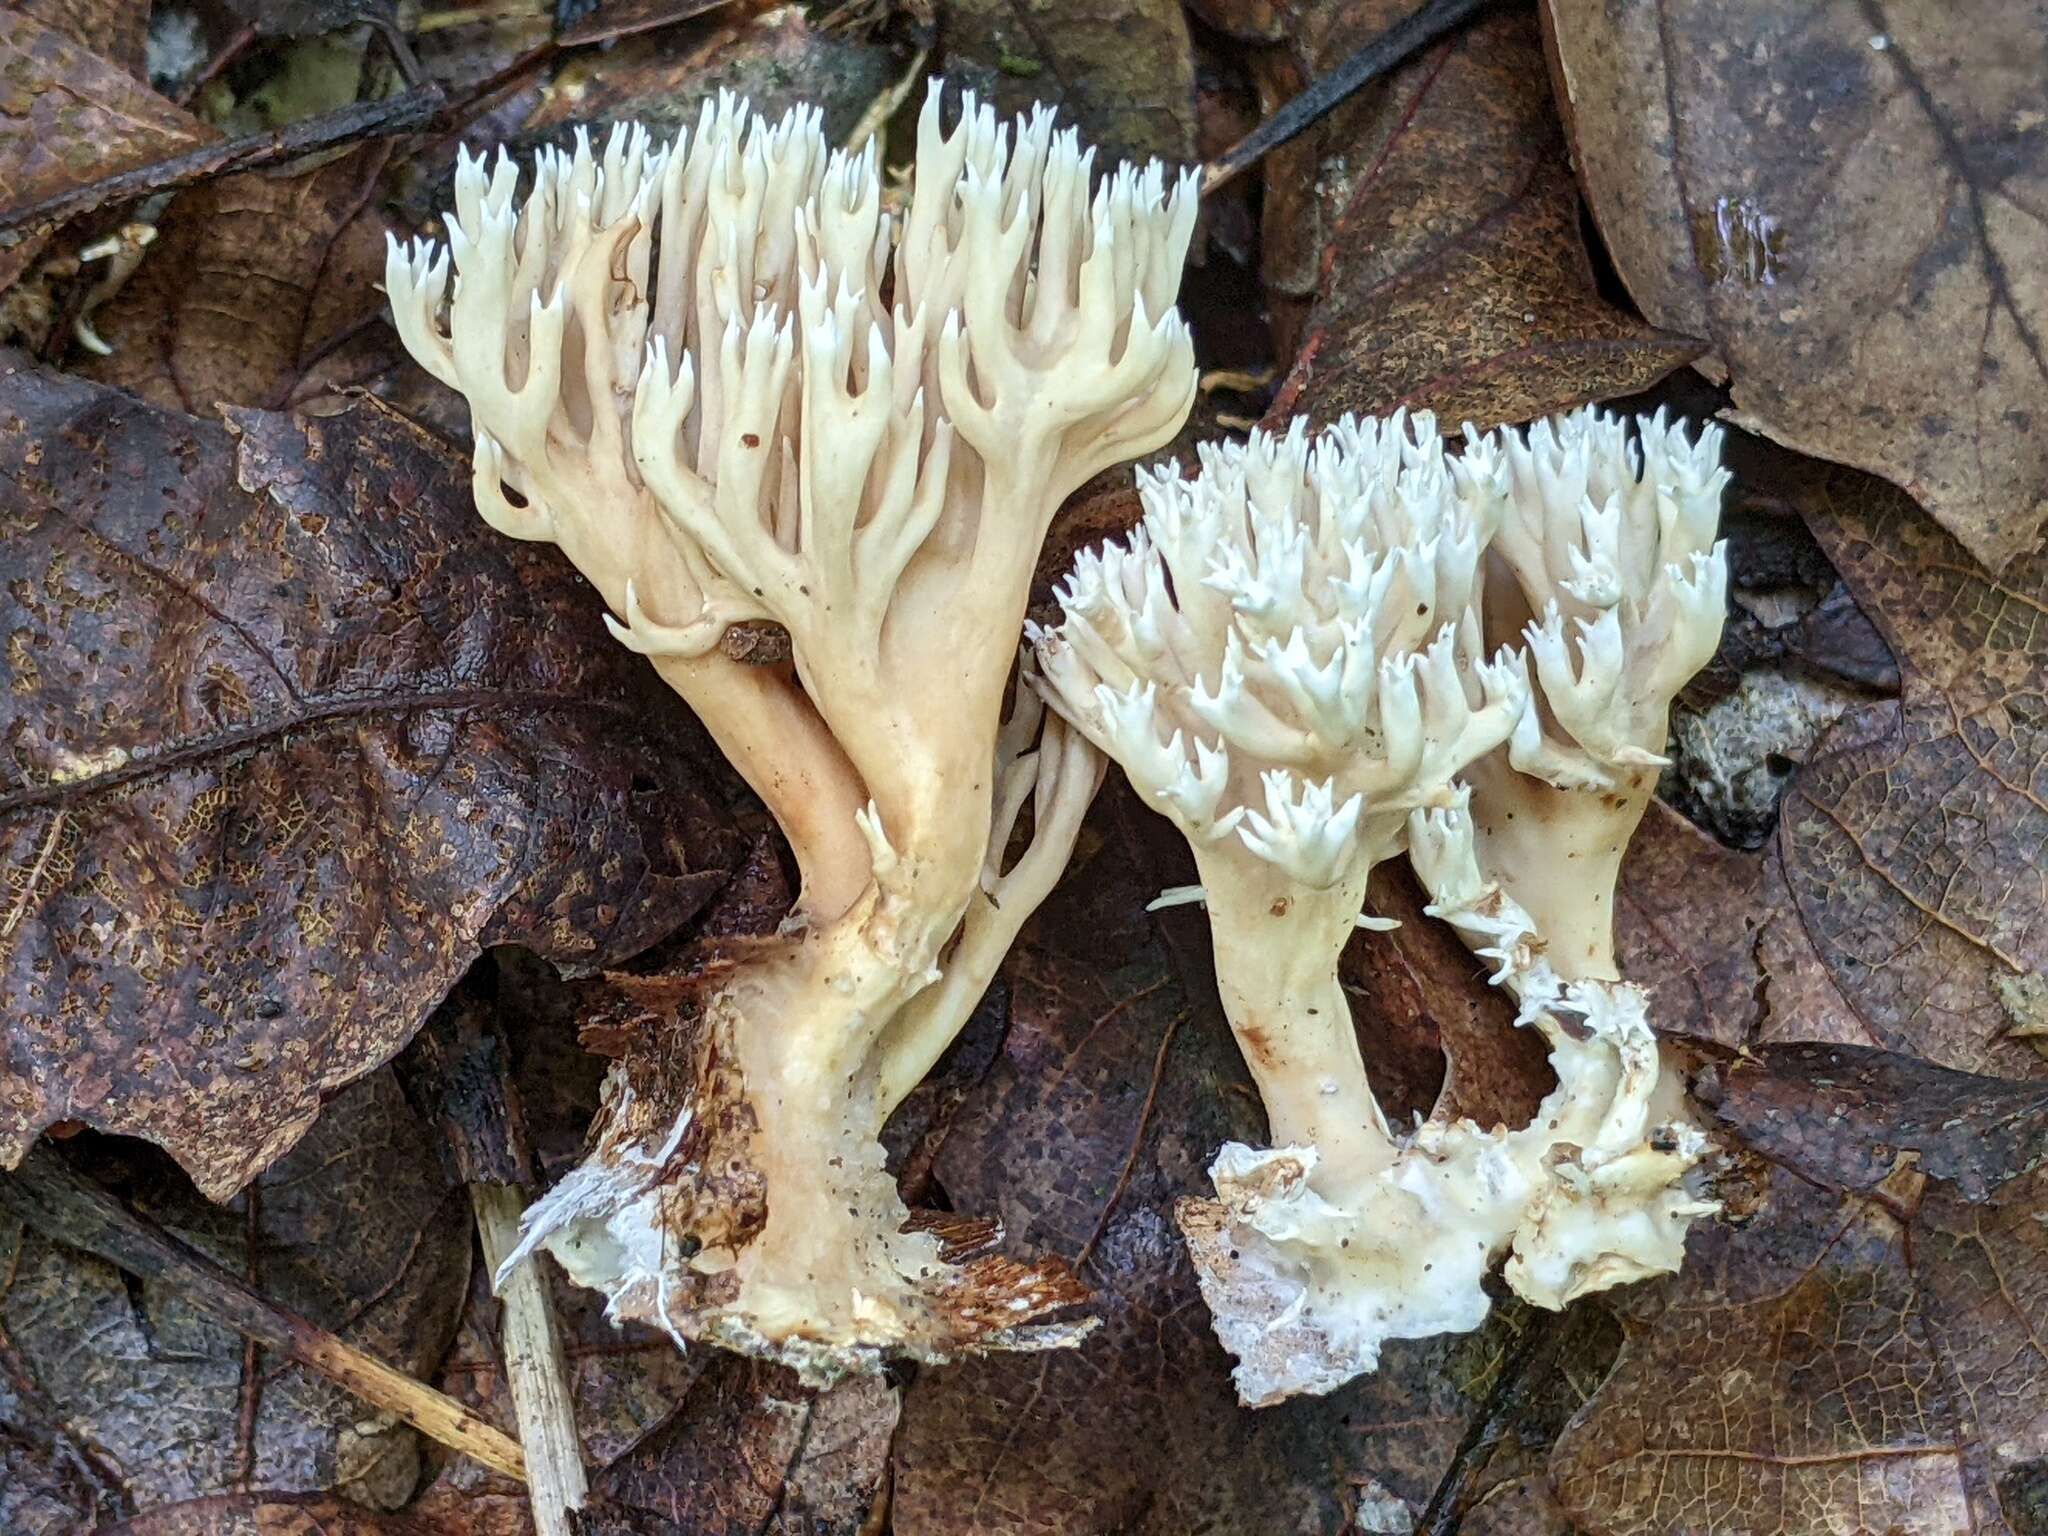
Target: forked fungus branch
1606, 565
1287, 659
731, 387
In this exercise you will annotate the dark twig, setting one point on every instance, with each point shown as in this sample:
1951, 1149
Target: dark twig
225, 55
1399, 43
1530, 1363
1123, 1179
346, 125
63, 1205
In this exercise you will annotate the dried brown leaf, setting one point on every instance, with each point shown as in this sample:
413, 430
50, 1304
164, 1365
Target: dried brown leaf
1848, 203
1915, 841
290, 735
1869, 1364
1455, 280
128, 1381
259, 290
69, 117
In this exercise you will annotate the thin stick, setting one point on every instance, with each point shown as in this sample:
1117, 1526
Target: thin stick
534, 1367
1323, 95
61, 1204
876, 117
345, 125
1123, 1179
456, 1074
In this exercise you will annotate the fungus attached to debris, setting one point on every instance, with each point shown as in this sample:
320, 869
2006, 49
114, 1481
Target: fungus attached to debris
1286, 658
732, 388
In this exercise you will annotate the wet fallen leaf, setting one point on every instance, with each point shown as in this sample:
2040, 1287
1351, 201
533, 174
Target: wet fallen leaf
1687, 914
117, 30
1916, 839
259, 290
290, 735
1497, 1481
751, 1453
162, 1404
47, 1488
1524, 1507
1455, 279
272, 1514
1848, 206
69, 117
1308, 181
1841, 1116
1123, 73
1896, 904
1868, 1363
777, 61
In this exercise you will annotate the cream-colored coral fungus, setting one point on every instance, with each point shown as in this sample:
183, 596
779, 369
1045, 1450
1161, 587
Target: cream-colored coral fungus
1287, 660
732, 387
1606, 566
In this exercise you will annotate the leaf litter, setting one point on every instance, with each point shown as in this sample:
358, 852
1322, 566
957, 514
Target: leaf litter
293, 744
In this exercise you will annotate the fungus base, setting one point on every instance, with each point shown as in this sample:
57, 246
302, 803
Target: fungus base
738, 1193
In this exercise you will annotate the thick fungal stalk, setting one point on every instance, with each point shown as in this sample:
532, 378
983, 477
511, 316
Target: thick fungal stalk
732, 388
1286, 660
1283, 660
1606, 567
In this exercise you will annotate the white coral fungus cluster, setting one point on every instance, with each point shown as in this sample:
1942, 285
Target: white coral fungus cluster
732, 387
1288, 657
